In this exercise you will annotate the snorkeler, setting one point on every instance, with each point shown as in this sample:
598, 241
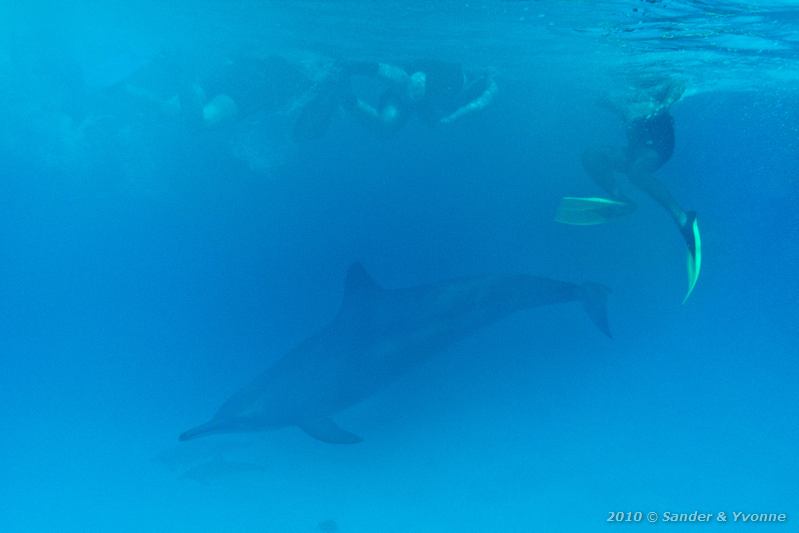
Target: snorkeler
230, 106
435, 91
238, 86
246, 85
650, 144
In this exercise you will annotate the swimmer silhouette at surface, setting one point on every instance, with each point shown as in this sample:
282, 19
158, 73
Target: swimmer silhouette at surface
436, 92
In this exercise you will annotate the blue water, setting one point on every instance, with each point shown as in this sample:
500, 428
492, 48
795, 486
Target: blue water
151, 268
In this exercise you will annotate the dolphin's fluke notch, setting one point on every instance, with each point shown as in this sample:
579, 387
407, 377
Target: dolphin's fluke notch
595, 303
328, 431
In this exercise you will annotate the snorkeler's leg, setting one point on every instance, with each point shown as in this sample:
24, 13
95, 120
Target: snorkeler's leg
602, 164
385, 120
362, 111
478, 103
641, 173
657, 190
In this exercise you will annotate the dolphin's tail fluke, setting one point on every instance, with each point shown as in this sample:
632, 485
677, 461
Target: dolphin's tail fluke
595, 302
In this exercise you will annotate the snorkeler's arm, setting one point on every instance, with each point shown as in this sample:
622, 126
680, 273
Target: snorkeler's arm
643, 103
385, 120
614, 106
168, 106
362, 111
478, 104
672, 93
393, 74
365, 112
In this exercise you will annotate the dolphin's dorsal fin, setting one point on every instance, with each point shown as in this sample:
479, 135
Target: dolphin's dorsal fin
359, 282
360, 292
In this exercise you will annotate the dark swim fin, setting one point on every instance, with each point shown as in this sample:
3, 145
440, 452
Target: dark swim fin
690, 232
326, 430
590, 211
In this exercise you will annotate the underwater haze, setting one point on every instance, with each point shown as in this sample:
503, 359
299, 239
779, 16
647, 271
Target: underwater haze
327, 228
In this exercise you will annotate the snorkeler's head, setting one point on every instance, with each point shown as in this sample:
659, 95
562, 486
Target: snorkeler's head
417, 88
220, 109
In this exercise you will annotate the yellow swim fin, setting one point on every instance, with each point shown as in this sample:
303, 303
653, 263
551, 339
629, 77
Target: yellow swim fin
580, 211
694, 241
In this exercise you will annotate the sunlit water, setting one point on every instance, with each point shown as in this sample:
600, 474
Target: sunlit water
146, 277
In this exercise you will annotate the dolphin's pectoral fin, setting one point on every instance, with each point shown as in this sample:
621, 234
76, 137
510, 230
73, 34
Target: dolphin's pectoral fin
326, 430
